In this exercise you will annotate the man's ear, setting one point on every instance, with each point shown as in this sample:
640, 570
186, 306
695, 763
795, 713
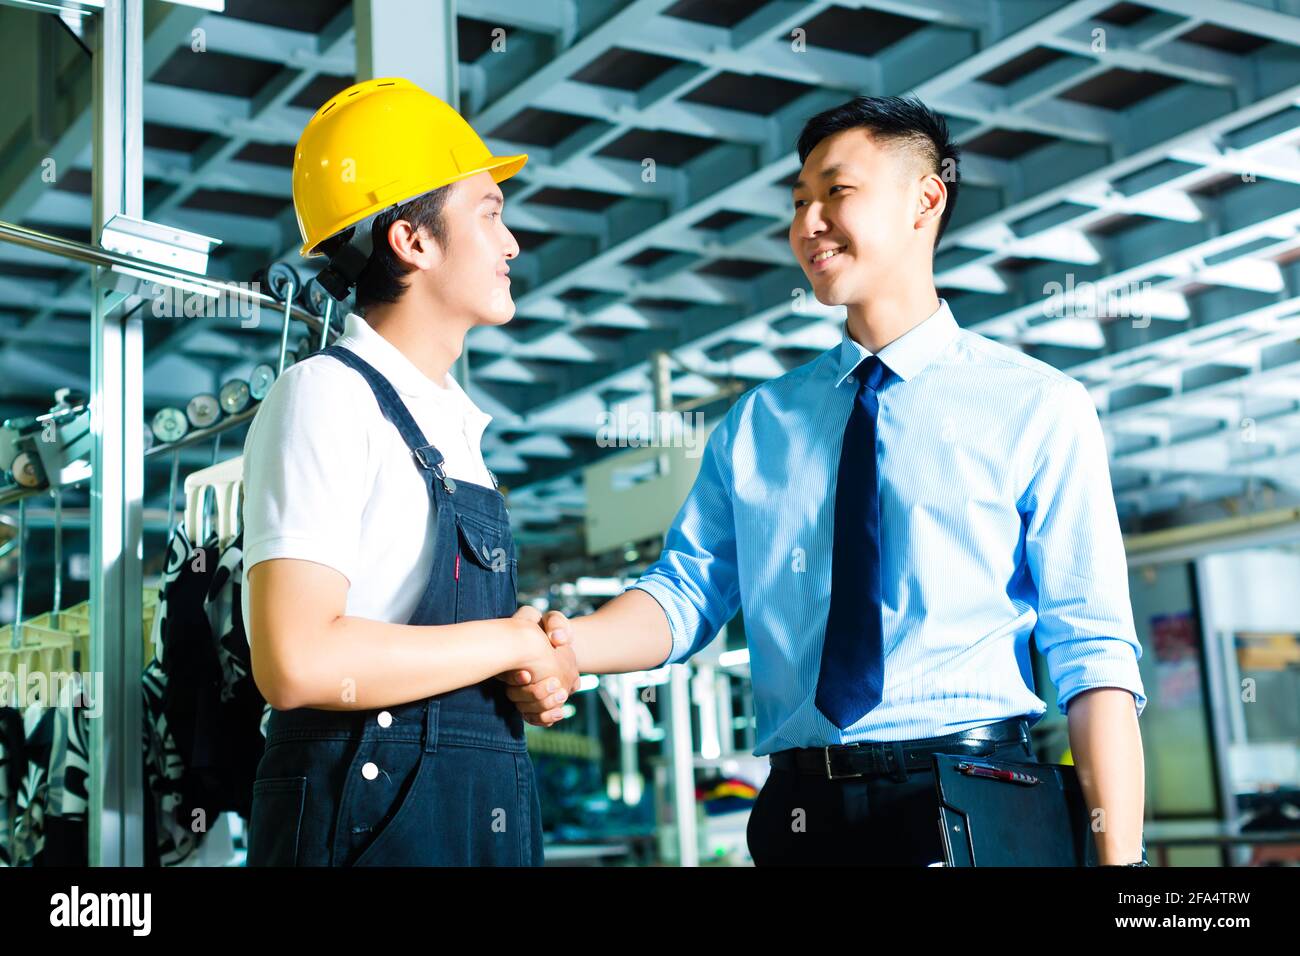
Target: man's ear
933, 200
414, 246
429, 246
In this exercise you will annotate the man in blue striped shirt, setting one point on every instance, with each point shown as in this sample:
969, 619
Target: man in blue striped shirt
890, 592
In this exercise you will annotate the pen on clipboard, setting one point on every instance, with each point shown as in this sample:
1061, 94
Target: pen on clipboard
1008, 776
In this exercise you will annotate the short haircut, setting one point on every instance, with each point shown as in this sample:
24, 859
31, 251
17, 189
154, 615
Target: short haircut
905, 122
382, 281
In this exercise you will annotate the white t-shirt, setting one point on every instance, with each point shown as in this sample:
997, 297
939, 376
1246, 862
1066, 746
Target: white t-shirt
328, 479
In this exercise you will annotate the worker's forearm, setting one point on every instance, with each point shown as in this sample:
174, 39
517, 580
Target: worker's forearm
630, 633
1107, 748
360, 664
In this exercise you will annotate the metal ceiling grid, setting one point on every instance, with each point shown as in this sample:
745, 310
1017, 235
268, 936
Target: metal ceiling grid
1144, 151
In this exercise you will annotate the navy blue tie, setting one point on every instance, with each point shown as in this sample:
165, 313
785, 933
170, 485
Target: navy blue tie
851, 679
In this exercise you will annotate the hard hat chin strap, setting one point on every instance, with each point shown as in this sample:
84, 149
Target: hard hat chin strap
349, 259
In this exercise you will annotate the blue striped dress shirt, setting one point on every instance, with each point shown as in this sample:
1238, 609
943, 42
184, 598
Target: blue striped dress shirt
997, 523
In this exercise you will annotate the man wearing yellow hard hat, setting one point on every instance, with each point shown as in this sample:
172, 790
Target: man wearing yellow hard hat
381, 568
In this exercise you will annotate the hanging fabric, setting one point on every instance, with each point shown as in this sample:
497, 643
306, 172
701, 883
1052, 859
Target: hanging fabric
203, 712
171, 841
13, 767
44, 783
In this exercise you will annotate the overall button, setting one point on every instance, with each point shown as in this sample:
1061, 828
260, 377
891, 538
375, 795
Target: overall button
385, 719
370, 771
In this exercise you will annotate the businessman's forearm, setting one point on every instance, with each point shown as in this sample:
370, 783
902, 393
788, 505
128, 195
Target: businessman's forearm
1107, 749
630, 633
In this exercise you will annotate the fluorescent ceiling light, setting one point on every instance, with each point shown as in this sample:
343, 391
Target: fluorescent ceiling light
216, 6
84, 8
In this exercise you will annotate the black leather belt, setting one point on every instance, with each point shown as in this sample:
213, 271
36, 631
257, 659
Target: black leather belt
897, 757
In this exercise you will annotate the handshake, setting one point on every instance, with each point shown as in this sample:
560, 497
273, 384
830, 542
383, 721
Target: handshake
548, 672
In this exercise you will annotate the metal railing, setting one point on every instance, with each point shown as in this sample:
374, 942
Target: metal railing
145, 271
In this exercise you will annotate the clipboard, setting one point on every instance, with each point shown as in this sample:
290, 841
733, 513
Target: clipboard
1037, 818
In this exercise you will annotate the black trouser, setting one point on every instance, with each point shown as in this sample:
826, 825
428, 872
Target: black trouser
802, 819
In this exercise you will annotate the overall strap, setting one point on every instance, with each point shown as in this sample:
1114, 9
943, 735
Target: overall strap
426, 456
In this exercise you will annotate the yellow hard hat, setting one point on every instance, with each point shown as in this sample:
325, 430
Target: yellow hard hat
375, 145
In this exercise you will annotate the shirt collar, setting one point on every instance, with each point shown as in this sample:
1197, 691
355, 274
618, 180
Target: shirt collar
908, 354
401, 372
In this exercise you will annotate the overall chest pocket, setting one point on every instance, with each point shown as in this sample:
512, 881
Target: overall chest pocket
486, 570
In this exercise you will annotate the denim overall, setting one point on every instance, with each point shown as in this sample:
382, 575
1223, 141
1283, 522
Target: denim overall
443, 781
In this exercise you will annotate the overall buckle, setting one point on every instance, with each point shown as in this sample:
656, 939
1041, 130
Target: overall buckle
424, 455
430, 459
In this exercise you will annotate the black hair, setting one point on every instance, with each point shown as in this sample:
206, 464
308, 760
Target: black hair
382, 280
904, 121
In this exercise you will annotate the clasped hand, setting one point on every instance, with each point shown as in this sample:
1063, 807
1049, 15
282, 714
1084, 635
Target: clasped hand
550, 672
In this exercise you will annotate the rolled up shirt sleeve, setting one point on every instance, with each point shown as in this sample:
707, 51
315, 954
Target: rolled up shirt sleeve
696, 580
1075, 553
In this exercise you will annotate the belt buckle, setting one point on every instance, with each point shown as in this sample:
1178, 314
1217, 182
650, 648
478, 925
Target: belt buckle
830, 774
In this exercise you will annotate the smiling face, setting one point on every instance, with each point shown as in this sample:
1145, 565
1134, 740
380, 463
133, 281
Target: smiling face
472, 278
858, 200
